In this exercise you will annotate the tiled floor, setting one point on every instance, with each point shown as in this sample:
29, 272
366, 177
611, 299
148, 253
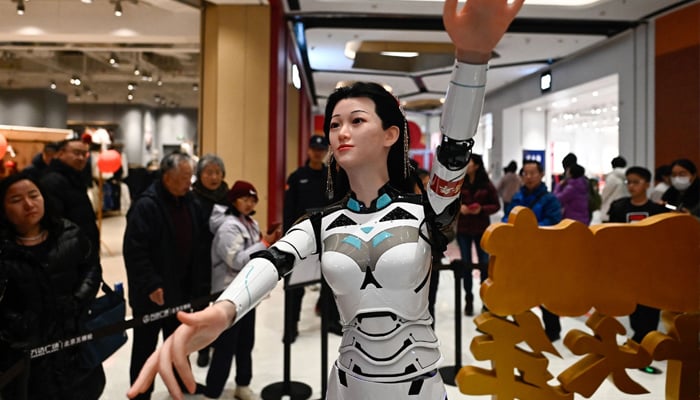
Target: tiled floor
306, 359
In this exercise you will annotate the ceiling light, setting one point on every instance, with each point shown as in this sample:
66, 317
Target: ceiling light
402, 54
52, 85
75, 80
195, 87
351, 48
160, 82
118, 8
137, 71
113, 60
20, 7
130, 96
131, 86
86, 1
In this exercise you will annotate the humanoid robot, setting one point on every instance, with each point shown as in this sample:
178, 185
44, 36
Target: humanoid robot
376, 259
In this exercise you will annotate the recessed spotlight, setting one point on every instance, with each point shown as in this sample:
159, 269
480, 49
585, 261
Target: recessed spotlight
113, 60
130, 96
52, 85
195, 87
20, 7
118, 9
160, 82
137, 71
131, 86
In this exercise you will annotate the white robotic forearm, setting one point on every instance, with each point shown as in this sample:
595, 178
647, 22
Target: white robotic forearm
252, 284
265, 268
464, 101
458, 124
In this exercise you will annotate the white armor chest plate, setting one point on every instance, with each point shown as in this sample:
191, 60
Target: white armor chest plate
378, 266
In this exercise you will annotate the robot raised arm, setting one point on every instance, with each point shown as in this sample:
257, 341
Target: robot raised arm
460, 118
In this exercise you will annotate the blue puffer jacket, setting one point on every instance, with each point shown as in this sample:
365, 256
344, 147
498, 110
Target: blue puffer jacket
544, 205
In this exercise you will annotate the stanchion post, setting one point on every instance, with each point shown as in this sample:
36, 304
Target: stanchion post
325, 320
287, 388
449, 372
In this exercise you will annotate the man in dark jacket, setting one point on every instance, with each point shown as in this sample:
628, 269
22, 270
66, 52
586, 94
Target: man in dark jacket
66, 190
306, 189
163, 254
42, 160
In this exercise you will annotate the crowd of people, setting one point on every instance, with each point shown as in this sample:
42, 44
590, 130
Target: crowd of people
189, 235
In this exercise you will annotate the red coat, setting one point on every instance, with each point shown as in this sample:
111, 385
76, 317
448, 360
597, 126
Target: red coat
476, 224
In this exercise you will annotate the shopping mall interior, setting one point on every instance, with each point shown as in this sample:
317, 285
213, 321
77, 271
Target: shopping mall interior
248, 80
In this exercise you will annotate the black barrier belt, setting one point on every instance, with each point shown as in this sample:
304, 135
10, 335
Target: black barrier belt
59, 345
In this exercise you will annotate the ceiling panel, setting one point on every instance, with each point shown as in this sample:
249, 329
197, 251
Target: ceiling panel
163, 36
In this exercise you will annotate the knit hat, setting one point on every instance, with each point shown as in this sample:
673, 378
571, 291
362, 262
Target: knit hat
240, 189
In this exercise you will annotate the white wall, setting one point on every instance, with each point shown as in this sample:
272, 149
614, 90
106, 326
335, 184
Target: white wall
629, 55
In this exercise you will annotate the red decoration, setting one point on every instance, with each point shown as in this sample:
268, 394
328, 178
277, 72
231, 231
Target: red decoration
3, 146
109, 161
415, 134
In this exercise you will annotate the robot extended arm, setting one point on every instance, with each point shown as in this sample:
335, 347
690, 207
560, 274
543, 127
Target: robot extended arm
265, 268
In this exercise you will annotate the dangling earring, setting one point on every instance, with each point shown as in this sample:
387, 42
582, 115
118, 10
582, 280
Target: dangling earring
406, 164
329, 178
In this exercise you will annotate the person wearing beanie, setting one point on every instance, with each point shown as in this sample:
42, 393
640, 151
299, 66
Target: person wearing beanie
236, 237
209, 189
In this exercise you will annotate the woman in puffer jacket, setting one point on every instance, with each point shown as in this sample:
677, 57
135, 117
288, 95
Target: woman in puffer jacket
572, 193
47, 281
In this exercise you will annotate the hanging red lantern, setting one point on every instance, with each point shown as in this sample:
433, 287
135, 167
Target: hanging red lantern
3, 145
109, 161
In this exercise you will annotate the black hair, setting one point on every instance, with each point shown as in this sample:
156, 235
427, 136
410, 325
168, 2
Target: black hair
387, 108
569, 160
685, 163
662, 172
639, 171
511, 167
49, 221
537, 163
576, 171
481, 178
618, 162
